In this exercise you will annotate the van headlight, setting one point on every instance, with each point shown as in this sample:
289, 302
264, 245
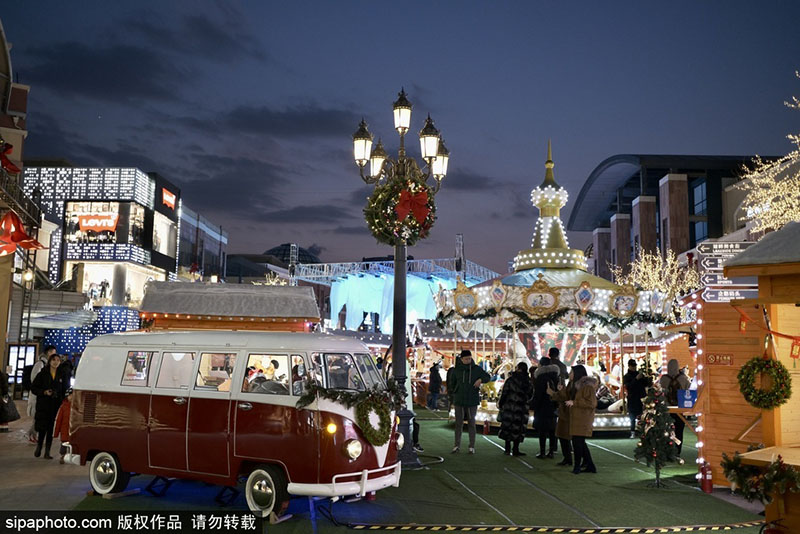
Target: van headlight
401, 440
353, 448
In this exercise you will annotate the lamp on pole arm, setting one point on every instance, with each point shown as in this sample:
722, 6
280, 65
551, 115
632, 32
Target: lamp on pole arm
400, 212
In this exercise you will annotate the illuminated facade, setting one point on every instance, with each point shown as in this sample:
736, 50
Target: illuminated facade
116, 229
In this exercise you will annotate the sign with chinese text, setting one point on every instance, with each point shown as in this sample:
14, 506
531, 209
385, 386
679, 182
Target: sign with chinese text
723, 248
727, 295
719, 359
717, 279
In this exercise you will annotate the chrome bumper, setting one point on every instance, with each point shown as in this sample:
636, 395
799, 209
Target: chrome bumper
361, 487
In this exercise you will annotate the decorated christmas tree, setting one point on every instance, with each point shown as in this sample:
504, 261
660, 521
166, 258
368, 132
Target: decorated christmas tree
656, 432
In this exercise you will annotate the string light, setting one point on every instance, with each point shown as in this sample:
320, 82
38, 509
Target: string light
772, 188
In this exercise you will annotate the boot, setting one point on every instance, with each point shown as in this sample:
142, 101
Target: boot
508, 448
47, 454
566, 461
38, 451
516, 451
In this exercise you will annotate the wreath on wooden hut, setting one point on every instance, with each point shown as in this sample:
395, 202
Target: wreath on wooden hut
765, 399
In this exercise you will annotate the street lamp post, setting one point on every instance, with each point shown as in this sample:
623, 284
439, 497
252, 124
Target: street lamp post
412, 181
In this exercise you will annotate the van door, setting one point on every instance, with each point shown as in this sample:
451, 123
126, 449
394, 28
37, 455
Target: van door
209, 414
169, 405
268, 426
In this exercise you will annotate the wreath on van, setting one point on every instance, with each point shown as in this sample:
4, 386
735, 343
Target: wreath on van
765, 399
376, 436
380, 401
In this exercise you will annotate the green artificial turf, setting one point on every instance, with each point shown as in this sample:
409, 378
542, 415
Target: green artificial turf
489, 488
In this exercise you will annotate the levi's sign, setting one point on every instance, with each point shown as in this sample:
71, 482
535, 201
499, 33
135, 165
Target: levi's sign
98, 223
723, 248
168, 198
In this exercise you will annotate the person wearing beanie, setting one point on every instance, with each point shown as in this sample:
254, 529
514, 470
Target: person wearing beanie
544, 408
582, 391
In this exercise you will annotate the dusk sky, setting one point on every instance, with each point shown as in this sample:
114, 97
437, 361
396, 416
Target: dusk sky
250, 106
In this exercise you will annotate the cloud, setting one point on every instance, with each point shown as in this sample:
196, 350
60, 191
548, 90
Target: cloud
316, 249
360, 195
350, 230
199, 36
464, 180
297, 122
240, 185
307, 215
113, 74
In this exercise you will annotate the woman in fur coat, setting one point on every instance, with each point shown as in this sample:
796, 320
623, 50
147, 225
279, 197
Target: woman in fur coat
513, 405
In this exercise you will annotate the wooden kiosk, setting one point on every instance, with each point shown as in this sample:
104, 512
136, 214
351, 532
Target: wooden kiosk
201, 306
775, 260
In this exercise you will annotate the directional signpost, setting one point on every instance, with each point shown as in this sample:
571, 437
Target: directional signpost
718, 288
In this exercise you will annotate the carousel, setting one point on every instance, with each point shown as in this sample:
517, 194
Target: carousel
551, 300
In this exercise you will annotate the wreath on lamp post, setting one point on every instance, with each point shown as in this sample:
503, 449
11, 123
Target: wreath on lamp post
400, 211
765, 399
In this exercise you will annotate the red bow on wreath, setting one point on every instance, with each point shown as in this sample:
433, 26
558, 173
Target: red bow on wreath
416, 203
5, 162
12, 234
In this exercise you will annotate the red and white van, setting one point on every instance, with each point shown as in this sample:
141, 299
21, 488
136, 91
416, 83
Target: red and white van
220, 407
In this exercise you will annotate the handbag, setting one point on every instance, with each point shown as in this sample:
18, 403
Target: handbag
8, 410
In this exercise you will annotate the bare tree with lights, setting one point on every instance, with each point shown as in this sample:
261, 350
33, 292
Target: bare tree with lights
773, 187
651, 271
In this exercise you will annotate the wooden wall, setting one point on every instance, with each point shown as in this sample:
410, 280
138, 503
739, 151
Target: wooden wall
726, 415
679, 349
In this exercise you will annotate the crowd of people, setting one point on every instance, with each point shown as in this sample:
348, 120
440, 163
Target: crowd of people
563, 401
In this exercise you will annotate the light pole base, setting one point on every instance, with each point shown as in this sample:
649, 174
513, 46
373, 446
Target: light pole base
407, 455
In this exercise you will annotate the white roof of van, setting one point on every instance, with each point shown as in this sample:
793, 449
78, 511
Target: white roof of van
220, 338
230, 300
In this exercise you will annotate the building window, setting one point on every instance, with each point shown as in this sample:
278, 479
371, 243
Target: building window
698, 201
699, 232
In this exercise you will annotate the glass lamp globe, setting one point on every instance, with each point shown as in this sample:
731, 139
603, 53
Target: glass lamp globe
402, 113
362, 144
429, 140
376, 159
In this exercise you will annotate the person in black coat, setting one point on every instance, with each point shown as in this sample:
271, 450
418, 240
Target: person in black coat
513, 406
544, 409
49, 387
434, 386
636, 385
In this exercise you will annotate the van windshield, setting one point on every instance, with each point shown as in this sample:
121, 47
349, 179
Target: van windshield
347, 371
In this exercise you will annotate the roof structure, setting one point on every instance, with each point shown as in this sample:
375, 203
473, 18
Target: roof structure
782, 246
445, 268
617, 180
282, 252
230, 300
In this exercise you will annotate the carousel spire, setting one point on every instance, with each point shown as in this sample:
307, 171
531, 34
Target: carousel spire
550, 247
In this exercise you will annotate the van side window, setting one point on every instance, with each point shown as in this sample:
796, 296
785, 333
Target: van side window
176, 370
267, 374
136, 368
215, 371
299, 375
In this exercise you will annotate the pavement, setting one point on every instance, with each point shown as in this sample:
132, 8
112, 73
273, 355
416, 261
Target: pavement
484, 489
30, 483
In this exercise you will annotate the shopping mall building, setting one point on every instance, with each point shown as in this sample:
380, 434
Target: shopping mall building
109, 232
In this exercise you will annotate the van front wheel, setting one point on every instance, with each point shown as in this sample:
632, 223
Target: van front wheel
265, 490
106, 474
